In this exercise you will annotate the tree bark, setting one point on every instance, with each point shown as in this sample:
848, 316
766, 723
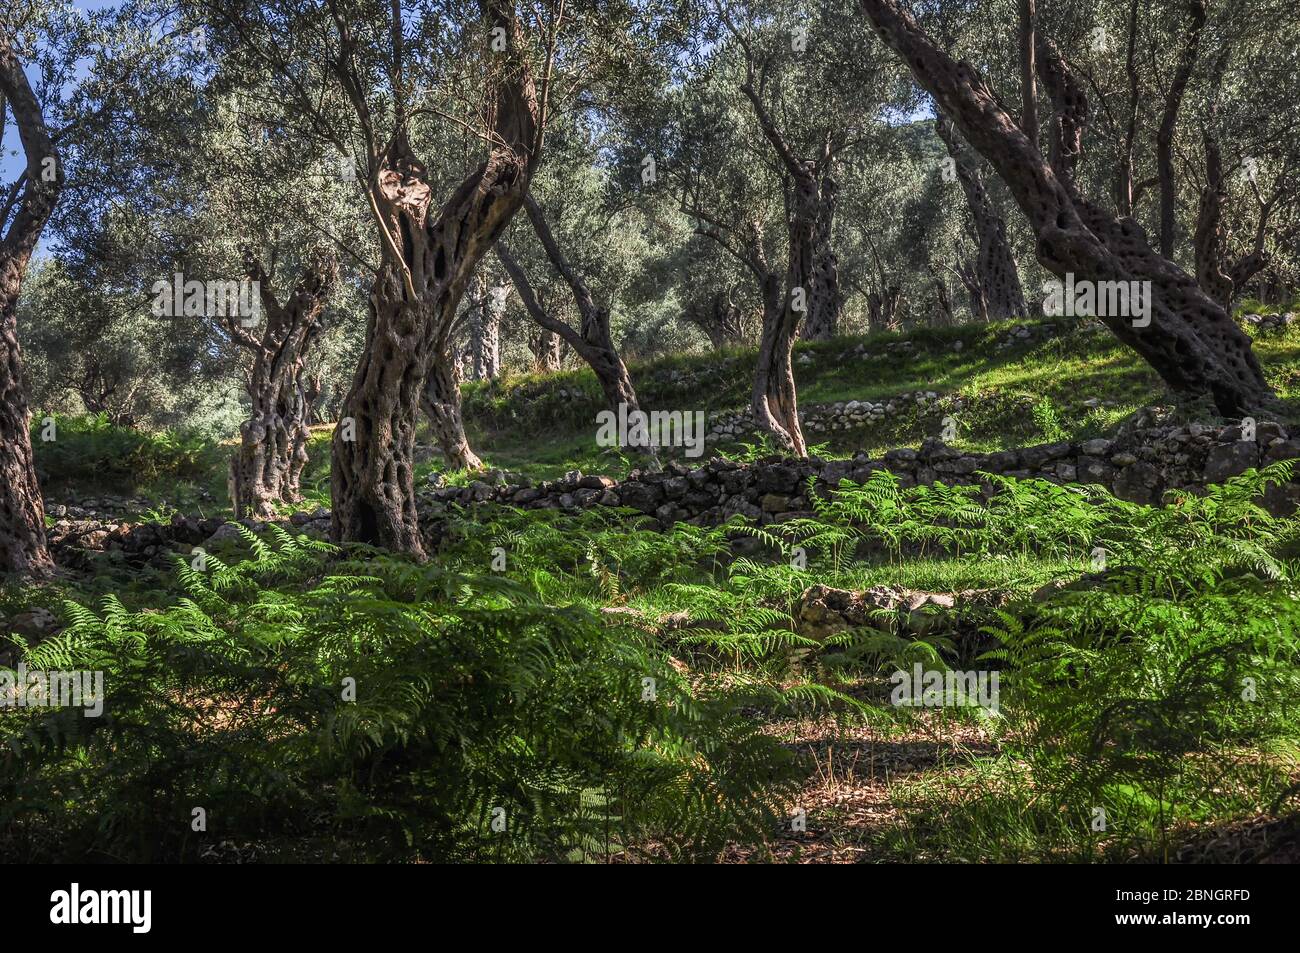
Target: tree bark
545, 346
825, 302
267, 468
995, 265
1028, 72
23, 547
1125, 191
1190, 341
811, 197
442, 405
428, 263
772, 401
485, 330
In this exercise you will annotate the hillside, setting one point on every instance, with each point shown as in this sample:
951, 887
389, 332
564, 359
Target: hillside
1005, 385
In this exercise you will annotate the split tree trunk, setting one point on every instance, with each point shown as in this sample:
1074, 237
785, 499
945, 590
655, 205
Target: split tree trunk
428, 263
23, 547
995, 265
1191, 341
267, 468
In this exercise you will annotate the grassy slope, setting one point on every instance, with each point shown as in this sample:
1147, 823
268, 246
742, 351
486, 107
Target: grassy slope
1010, 396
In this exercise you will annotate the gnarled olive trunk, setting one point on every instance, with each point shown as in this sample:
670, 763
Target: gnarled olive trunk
545, 346
825, 303
267, 468
774, 404
594, 342
441, 403
428, 263
485, 331
996, 289
721, 319
1189, 338
23, 547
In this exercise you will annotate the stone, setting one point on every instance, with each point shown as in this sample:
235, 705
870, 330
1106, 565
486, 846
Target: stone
1229, 459
1138, 483
774, 503
1034, 457
226, 533
676, 487
640, 496
779, 478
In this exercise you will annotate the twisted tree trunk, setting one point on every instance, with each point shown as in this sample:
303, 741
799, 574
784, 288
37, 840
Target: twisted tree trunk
1190, 340
774, 402
995, 266
428, 263
267, 468
23, 547
594, 342
545, 346
485, 331
441, 403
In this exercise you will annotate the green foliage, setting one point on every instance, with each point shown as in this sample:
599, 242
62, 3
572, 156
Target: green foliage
89, 451
1047, 420
472, 697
